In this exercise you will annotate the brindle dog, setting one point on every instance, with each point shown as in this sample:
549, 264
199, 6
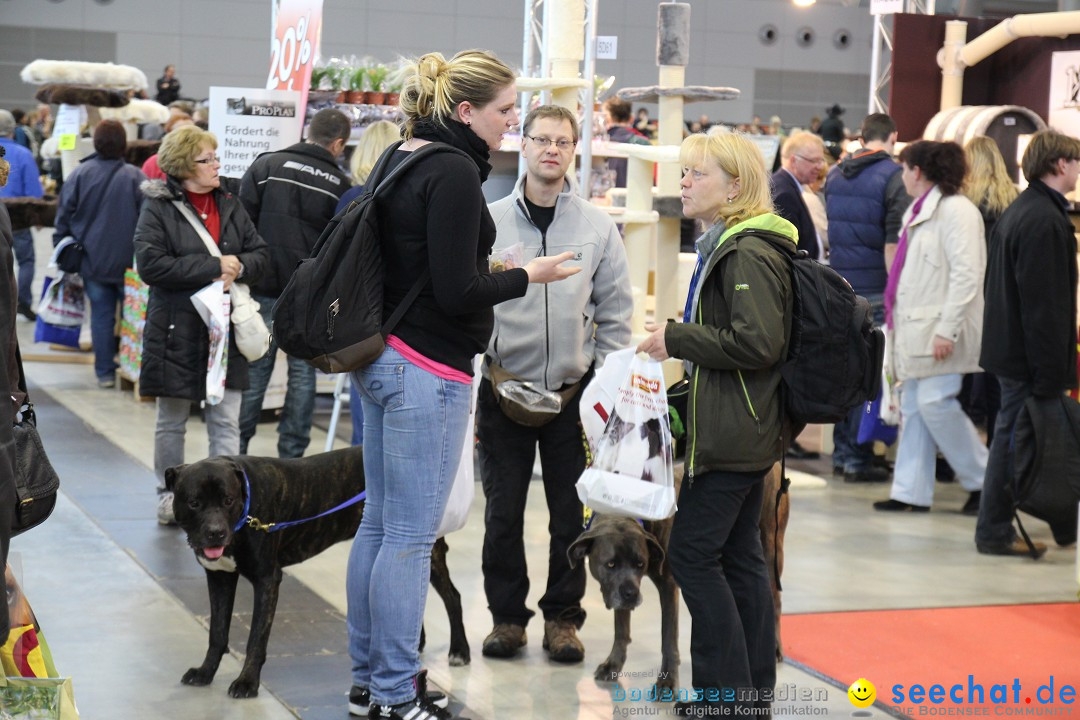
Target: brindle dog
211, 500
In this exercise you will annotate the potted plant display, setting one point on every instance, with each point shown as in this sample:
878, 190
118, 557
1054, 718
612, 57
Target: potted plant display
357, 82
376, 76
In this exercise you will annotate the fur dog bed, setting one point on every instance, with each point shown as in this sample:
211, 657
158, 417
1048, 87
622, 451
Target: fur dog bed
142, 111
29, 212
56, 93
75, 72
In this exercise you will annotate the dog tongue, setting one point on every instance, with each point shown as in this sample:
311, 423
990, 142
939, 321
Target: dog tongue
213, 553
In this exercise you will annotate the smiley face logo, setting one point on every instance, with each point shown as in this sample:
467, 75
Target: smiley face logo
862, 693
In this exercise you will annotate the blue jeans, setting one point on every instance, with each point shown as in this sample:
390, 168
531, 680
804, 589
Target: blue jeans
848, 453
934, 420
104, 299
294, 428
356, 411
994, 526
414, 429
23, 245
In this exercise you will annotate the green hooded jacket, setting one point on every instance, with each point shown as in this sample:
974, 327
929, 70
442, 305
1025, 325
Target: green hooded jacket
735, 343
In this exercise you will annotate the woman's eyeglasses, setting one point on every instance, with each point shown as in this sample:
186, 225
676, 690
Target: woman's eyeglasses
543, 142
209, 161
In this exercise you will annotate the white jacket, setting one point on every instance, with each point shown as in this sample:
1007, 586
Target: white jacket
940, 289
556, 332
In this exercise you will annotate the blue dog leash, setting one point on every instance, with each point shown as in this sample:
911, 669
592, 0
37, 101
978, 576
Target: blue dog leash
255, 524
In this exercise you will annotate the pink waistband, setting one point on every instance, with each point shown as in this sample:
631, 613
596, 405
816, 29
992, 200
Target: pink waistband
424, 363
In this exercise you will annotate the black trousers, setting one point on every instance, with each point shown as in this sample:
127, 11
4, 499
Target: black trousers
716, 557
507, 451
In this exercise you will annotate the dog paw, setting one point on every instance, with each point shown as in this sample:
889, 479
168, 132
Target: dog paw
607, 672
244, 688
666, 682
197, 677
460, 659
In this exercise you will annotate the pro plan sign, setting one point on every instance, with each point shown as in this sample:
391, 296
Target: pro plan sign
250, 121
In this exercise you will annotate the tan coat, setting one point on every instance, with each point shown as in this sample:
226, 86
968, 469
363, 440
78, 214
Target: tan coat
940, 289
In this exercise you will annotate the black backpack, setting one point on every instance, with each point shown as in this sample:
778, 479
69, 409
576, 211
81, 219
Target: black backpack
835, 353
330, 313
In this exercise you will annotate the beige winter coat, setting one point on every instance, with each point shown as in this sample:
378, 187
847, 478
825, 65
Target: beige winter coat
940, 289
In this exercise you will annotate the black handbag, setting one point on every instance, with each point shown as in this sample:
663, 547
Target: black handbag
70, 258
36, 481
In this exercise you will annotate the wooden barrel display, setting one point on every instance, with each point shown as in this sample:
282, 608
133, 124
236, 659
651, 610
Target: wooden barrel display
1001, 123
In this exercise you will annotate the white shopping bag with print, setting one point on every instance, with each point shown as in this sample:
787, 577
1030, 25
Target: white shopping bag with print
632, 473
464, 488
213, 304
599, 395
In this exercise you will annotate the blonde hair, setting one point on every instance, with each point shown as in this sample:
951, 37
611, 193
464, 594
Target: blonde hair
377, 137
436, 86
739, 158
176, 156
801, 140
987, 183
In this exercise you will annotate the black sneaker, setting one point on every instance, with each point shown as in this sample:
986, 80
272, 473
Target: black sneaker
26, 311
360, 697
415, 709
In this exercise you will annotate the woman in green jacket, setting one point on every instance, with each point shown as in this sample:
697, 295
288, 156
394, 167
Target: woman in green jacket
733, 338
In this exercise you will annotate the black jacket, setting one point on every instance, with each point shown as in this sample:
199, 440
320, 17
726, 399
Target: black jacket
1029, 322
291, 195
175, 263
787, 197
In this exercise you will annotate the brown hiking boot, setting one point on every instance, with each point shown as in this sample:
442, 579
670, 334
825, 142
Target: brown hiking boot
562, 643
504, 641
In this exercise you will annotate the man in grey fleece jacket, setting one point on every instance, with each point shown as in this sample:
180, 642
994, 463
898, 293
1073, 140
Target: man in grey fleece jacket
553, 337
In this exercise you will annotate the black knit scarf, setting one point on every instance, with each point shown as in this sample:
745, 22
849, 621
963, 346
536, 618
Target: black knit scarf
460, 136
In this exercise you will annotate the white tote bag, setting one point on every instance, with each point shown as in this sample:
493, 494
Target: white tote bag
633, 470
464, 489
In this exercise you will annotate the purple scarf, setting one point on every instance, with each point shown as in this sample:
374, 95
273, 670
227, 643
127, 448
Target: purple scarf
898, 261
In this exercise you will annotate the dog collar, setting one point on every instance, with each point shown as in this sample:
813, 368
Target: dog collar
253, 522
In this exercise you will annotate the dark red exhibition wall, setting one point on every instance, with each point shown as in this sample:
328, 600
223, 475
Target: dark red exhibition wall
1018, 74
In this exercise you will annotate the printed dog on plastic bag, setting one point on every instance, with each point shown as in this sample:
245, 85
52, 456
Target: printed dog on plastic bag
632, 472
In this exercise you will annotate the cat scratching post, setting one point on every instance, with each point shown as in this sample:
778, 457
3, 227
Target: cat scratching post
672, 57
564, 33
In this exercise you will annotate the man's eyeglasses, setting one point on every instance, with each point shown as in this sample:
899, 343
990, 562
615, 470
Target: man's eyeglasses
209, 161
812, 161
543, 142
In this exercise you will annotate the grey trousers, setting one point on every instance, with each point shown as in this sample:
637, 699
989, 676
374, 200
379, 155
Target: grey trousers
222, 426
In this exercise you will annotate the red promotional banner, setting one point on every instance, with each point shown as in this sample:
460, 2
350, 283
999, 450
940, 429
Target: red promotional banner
297, 27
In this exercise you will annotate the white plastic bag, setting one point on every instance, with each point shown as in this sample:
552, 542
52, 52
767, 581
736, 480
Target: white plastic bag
598, 397
464, 489
633, 471
213, 304
64, 301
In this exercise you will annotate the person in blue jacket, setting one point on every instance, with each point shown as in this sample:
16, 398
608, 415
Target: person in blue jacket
99, 207
23, 181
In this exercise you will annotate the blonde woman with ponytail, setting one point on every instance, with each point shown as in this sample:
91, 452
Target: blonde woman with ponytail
416, 396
